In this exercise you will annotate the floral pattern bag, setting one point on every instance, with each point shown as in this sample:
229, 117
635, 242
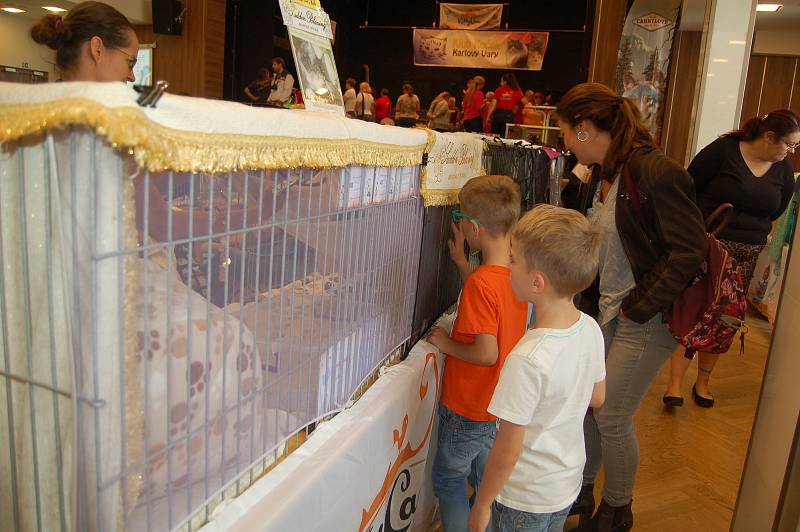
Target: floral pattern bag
708, 313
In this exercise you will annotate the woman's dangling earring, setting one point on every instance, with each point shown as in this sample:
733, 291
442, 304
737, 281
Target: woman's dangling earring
582, 136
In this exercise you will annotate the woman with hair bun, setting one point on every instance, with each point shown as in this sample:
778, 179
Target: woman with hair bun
748, 169
647, 257
93, 42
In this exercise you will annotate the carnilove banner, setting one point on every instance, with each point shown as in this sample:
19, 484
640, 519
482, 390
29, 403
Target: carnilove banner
644, 55
505, 50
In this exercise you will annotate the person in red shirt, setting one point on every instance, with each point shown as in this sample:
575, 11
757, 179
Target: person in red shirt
491, 320
383, 106
509, 98
472, 105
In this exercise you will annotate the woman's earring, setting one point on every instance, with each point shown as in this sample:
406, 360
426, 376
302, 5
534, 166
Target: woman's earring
582, 136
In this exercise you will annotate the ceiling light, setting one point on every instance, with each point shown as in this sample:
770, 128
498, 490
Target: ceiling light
772, 8
54, 9
13, 10
720, 60
737, 42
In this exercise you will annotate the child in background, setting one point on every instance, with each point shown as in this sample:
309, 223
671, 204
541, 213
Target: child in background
535, 467
490, 322
349, 98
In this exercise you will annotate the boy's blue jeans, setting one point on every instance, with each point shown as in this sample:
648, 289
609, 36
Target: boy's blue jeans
463, 446
507, 519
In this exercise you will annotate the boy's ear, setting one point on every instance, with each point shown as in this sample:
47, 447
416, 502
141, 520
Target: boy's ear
475, 227
538, 282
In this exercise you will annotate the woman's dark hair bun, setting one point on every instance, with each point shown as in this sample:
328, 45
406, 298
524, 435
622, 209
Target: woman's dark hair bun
49, 31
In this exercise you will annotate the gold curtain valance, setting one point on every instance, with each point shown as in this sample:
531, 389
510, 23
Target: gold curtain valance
158, 148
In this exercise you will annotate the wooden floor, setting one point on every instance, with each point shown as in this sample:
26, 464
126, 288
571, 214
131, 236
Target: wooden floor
692, 458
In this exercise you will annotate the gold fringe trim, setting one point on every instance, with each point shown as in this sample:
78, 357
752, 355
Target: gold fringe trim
439, 197
158, 148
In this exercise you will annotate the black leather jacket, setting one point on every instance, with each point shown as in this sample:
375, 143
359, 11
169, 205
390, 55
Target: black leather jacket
665, 242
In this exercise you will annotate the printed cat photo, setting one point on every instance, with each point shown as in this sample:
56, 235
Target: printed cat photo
433, 50
517, 53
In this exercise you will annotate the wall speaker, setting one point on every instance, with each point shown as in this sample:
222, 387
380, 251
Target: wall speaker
167, 17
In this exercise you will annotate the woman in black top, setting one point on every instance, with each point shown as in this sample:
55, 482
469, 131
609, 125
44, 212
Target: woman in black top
748, 169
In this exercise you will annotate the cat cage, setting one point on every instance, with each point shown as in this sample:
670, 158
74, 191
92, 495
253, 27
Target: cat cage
163, 333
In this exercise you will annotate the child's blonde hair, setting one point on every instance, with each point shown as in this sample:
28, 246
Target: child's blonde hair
493, 200
562, 244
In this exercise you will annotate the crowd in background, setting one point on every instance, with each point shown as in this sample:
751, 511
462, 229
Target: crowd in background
473, 110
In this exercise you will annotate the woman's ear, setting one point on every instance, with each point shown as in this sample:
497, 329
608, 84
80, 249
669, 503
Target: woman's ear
771, 136
96, 48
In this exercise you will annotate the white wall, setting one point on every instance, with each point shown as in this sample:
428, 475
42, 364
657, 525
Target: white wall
727, 55
777, 43
17, 47
778, 408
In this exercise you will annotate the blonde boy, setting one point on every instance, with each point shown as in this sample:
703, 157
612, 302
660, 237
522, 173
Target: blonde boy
490, 322
534, 470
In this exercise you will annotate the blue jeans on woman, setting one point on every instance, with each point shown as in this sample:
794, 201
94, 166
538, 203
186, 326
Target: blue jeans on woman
463, 446
634, 354
505, 519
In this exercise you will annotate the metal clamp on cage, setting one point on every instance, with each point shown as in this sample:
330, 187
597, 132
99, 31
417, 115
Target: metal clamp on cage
150, 94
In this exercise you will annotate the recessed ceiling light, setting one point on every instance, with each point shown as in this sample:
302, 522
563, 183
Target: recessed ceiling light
720, 60
772, 8
54, 9
737, 42
13, 10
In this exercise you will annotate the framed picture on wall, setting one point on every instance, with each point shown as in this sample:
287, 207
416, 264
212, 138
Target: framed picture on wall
143, 71
316, 70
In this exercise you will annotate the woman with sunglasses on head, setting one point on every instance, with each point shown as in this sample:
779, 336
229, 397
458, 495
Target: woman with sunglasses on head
649, 251
749, 169
93, 42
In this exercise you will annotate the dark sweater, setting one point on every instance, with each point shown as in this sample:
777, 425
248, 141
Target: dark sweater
721, 175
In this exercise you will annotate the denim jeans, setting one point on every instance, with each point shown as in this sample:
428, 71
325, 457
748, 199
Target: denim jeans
634, 354
463, 446
505, 519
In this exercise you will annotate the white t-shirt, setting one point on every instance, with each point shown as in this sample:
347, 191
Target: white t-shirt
546, 384
349, 97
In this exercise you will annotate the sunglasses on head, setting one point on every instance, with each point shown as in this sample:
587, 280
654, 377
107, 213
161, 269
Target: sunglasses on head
458, 215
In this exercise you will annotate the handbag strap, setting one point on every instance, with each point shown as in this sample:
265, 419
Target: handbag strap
726, 210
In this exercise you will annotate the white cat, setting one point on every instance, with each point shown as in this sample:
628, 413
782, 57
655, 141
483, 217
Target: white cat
432, 49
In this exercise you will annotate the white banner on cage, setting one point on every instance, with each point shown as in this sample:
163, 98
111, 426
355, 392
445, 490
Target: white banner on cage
381, 444
454, 159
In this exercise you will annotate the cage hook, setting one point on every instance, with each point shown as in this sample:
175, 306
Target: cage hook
150, 94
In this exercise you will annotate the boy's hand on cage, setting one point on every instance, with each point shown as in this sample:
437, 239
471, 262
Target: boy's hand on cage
456, 245
438, 337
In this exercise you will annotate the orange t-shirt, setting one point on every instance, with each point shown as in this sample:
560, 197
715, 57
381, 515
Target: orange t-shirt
487, 306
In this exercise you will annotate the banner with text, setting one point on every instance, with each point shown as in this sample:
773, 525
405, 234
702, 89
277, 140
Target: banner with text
306, 15
644, 55
480, 49
470, 16
453, 159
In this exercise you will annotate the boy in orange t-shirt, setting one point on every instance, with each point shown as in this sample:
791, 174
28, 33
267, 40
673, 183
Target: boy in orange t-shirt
490, 322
